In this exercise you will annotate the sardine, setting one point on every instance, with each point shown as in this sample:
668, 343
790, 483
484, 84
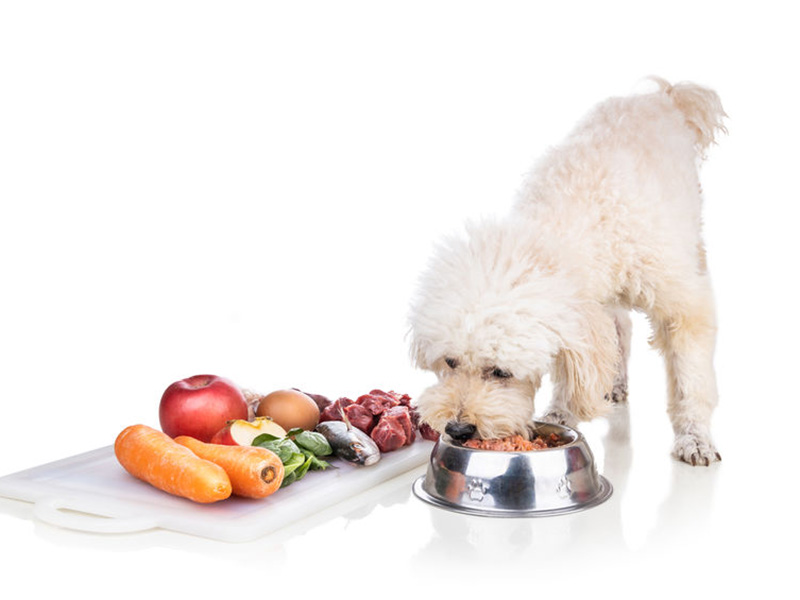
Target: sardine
349, 443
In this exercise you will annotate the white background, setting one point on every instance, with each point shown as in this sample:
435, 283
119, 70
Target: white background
251, 189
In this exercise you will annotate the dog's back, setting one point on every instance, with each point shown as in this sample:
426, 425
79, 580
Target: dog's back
622, 192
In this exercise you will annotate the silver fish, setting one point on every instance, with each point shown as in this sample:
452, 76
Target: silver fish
350, 443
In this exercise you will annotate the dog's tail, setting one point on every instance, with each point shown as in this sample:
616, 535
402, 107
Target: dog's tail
701, 107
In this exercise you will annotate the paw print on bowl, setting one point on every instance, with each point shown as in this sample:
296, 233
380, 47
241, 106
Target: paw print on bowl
477, 489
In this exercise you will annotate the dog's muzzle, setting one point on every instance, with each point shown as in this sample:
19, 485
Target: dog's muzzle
460, 431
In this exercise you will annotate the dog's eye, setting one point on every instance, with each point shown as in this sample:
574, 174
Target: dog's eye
451, 362
500, 373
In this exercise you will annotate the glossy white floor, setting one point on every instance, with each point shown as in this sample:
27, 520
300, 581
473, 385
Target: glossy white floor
252, 192
668, 528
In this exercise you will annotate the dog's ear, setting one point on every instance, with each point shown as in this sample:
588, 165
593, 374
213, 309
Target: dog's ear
419, 350
418, 356
584, 368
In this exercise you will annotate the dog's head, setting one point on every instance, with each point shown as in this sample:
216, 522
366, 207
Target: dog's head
491, 318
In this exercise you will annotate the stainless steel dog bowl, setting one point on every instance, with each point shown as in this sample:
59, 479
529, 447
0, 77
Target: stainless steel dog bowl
535, 483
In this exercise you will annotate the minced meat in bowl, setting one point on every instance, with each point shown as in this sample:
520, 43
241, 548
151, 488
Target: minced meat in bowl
517, 443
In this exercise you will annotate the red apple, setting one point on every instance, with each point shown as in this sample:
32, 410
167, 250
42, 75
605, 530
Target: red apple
242, 433
200, 406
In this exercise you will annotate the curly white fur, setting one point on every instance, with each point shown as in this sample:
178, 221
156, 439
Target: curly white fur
607, 221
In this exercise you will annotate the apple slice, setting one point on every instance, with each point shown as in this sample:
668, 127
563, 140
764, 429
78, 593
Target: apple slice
239, 432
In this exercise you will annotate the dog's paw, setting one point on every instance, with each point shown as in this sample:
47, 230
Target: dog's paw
695, 450
560, 417
619, 394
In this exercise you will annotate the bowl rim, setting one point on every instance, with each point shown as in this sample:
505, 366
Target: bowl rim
576, 436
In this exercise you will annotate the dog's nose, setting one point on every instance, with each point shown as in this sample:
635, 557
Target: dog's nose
460, 431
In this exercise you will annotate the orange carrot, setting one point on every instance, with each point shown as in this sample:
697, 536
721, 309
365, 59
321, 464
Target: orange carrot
254, 472
154, 457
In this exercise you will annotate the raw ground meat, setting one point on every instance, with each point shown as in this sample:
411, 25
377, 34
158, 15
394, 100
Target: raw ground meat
516, 443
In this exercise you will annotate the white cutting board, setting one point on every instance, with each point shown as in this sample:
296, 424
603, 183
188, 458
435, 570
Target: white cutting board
92, 492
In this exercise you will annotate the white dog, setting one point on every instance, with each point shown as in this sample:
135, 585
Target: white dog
607, 222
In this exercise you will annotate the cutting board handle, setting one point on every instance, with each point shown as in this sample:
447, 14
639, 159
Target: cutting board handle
58, 512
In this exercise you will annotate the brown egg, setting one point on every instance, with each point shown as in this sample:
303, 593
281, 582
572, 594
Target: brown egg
289, 409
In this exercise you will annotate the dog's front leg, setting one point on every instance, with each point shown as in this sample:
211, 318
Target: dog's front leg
559, 414
622, 320
583, 372
559, 410
686, 339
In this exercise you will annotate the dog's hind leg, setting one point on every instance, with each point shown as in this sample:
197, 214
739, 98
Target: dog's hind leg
685, 333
